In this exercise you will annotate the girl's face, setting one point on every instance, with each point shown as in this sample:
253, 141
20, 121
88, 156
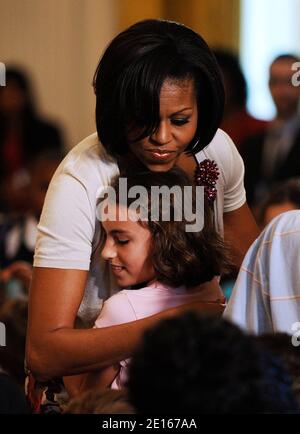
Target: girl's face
127, 248
178, 124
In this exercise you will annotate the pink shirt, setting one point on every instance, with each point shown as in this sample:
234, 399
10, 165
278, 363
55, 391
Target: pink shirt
133, 304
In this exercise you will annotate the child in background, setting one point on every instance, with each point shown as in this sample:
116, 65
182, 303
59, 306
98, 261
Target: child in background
192, 364
284, 197
159, 263
281, 346
266, 296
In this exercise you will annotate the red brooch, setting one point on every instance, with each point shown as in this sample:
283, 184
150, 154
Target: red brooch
207, 174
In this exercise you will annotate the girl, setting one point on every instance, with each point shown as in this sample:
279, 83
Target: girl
158, 262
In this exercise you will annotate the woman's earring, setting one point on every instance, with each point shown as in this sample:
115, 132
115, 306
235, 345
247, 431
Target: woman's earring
194, 145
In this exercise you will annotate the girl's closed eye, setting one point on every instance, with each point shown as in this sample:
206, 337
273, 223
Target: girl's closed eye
121, 241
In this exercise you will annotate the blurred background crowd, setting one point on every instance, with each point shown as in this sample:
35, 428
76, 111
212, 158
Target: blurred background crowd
50, 49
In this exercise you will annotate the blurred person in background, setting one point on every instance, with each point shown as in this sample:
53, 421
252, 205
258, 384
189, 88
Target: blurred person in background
274, 156
285, 197
23, 135
281, 346
237, 122
18, 232
265, 298
195, 364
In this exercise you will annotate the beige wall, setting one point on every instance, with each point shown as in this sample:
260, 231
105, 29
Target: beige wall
216, 20
60, 42
131, 11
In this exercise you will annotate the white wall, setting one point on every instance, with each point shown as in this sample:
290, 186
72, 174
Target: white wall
59, 42
268, 28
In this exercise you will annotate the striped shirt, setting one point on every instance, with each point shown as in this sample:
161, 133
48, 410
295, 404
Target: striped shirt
266, 296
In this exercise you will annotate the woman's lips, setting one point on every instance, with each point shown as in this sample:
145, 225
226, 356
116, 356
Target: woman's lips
161, 155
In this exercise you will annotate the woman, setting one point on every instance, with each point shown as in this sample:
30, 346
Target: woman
159, 94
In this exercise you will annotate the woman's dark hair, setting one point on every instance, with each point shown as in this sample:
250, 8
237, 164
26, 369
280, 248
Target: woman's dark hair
130, 75
179, 257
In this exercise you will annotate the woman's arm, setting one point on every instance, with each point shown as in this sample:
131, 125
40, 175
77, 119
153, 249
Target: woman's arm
240, 230
77, 384
55, 349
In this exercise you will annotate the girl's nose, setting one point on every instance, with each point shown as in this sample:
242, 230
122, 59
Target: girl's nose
109, 251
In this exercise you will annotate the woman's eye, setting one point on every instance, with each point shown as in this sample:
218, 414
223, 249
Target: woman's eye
180, 122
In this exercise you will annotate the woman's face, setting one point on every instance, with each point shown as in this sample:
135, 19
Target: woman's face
178, 124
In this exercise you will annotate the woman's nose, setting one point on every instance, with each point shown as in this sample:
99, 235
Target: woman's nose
108, 251
163, 134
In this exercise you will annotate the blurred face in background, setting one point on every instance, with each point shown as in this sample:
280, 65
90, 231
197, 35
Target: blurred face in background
277, 208
284, 94
12, 98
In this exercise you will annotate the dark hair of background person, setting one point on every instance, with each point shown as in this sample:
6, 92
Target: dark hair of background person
21, 122
12, 399
199, 365
21, 79
288, 191
179, 257
280, 344
130, 75
286, 56
231, 70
